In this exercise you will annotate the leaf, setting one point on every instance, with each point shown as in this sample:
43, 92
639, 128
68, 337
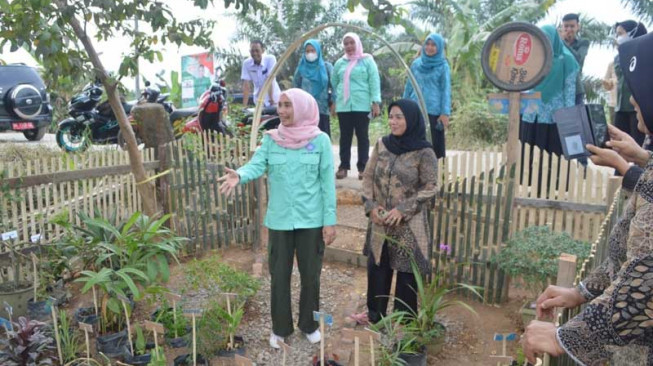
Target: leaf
132, 220
129, 282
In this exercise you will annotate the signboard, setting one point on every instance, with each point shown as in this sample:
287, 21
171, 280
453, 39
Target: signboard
196, 77
500, 103
516, 56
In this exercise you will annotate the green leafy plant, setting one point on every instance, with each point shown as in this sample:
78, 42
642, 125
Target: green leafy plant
215, 276
158, 357
71, 341
115, 284
173, 320
28, 343
532, 256
396, 338
216, 328
433, 299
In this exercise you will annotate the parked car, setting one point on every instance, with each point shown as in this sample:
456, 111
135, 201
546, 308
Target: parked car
24, 101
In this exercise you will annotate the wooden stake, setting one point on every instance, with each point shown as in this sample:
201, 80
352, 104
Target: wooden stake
372, 350
174, 297
321, 339
36, 275
95, 301
87, 328
156, 328
194, 343
129, 329
231, 344
356, 350
286, 350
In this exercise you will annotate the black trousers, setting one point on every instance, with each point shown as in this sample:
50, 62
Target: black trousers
308, 245
349, 123
325, 124
379, 281
437, 136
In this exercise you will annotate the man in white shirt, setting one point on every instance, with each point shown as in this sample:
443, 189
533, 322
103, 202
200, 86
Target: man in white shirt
256, 70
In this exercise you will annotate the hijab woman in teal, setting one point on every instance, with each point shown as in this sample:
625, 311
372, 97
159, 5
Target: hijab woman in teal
558, 90
313, 76
433, 76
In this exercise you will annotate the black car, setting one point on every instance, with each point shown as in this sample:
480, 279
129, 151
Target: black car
24, 102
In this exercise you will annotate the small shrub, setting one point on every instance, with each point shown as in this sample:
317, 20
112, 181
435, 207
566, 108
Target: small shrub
217, 277
532, 255
29, 343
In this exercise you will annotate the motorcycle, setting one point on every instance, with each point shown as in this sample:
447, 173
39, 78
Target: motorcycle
90, 120
212, 110
269, 118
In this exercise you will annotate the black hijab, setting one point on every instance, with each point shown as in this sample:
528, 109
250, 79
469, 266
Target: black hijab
633, 28
636, 60
415, 136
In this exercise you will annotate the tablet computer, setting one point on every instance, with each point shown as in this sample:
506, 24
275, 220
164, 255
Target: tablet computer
581, 125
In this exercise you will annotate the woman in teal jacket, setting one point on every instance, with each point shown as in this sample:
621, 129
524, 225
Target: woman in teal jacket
313, 75
301, 214
358, 86
431, 70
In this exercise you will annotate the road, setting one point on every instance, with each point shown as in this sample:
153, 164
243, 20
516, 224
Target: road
18, 138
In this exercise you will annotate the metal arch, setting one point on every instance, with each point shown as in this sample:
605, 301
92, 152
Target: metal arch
296, 45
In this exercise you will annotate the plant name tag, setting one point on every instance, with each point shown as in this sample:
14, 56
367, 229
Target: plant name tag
154, 327
328, 319
35, 238
86, 327
10, 235
192, 312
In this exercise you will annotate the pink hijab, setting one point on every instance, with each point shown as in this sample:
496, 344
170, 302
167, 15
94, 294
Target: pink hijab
353, 59
306, 115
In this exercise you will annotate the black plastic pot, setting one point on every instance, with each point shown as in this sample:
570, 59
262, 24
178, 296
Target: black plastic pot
328, 361
239, 348
86, 315
114, 345
139, 360
414, 359
40, 310
59, 292
177, 342
187, 360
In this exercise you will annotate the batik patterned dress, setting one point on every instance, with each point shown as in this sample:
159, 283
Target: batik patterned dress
620, 291
407, 182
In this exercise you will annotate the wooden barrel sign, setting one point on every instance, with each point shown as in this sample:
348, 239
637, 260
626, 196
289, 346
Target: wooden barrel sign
516, 56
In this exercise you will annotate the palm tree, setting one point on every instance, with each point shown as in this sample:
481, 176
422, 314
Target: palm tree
641, 8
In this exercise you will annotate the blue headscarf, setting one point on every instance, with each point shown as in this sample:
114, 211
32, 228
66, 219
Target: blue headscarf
314, 71
429, 63
564, 64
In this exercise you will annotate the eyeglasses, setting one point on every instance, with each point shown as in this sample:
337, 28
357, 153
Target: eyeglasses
397, 116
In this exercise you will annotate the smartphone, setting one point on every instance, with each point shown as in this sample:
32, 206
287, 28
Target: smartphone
598, 124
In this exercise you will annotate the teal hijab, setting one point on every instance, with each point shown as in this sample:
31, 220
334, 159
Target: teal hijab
429, 63
564, 64
314, 71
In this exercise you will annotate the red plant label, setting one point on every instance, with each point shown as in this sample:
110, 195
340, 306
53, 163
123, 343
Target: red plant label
523, 46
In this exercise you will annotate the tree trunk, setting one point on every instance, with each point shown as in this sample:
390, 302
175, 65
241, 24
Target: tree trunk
146, 189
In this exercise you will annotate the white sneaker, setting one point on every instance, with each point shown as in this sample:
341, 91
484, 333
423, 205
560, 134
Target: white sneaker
274, 341
314, 337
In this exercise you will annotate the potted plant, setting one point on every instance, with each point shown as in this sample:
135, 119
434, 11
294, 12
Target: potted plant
70, 339
175, 324
432, 298
18, 288
397, 344
216, 331
28, 343
141, 356
531, 257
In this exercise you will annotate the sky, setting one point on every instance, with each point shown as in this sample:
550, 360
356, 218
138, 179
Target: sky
609, 11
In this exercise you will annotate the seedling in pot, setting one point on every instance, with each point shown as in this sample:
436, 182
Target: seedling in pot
124, 302
174, 298
365, 336
228, 296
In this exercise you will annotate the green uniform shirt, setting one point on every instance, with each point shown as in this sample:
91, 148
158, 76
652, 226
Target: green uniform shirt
301, 183
579, 48
364, 85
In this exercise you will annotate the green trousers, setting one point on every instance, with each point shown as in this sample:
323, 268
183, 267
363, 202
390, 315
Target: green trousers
282, 246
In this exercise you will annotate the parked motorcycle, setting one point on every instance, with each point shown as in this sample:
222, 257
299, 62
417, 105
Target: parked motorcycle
212, 111
269, 118
90, 120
